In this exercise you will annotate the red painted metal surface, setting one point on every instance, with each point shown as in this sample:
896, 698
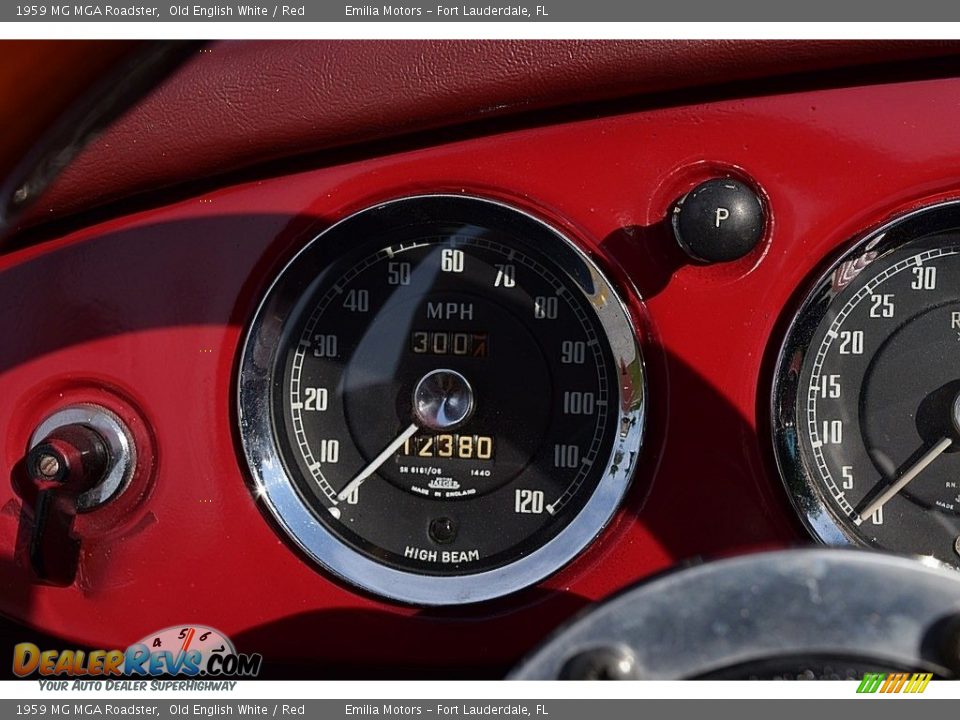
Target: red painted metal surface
146, 315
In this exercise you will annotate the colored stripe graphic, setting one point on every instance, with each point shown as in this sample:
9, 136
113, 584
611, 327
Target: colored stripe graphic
871, 682
894, 683
919, 682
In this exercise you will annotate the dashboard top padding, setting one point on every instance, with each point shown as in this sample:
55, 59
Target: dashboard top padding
238, 104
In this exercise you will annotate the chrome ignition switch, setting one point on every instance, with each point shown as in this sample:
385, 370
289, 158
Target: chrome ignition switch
79, 458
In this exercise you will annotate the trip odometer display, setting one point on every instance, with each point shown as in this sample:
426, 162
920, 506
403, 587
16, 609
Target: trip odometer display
441, 399
867, 393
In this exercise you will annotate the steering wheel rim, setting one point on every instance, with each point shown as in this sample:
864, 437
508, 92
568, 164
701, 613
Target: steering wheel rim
867, 609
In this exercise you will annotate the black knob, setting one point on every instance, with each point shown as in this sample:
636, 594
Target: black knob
66, 463
719, 220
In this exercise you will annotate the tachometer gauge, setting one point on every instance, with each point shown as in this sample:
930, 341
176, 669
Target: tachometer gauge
866, 400
441, 399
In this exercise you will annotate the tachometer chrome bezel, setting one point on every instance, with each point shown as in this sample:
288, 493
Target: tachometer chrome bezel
802, 485
277, 491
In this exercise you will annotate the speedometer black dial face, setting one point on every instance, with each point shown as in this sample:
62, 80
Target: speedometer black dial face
441, 399
867, 394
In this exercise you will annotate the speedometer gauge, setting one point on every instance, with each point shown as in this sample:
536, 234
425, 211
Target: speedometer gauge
441, 400
867, 392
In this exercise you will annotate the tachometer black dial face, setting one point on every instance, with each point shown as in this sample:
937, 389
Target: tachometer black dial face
441, 399
867, 396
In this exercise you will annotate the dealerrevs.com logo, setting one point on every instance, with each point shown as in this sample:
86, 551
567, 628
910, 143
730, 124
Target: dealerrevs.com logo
184, 650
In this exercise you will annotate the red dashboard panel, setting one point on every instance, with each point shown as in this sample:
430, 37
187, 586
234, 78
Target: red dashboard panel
236, 104
146, 313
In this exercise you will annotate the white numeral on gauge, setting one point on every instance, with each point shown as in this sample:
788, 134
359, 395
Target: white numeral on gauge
832, 432
851, 342
398, 273
545, 308
566, 456
315, 399
830, 386
578, 403
528, 502
357, 301
847, 472
329, 452
325, 346
451, 260
924, 278
882, 306
573, 352
506, 276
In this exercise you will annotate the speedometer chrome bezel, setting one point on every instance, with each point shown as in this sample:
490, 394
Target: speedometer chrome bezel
277, 490
802, 484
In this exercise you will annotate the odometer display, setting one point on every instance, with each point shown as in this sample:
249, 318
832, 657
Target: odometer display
441, 399
446, 445
867, 401
442, 343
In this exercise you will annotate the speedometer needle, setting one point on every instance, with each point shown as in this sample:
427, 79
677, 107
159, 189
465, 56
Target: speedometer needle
918, 467
378, 461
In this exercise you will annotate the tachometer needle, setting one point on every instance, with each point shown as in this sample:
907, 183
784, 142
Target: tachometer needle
918, 467
378, 461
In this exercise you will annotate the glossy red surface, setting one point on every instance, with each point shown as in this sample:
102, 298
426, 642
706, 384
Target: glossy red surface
146, 314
